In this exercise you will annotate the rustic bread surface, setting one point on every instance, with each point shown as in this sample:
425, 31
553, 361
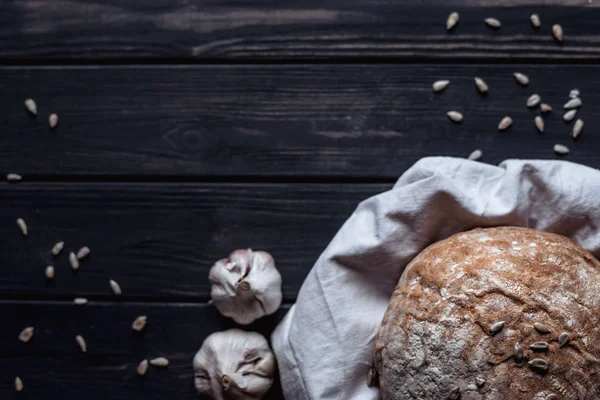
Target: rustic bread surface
467, 310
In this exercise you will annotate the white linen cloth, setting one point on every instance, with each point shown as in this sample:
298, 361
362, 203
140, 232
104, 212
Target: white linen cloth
325, 344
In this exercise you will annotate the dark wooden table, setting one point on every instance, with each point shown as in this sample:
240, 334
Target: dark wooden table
189, 128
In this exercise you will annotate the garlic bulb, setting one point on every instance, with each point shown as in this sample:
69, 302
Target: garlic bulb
246, 285
234, 365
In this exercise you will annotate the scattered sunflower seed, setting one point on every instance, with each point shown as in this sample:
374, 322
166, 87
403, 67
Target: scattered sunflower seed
518, 352
541, 328
545, 108
481, 85
26, 334
159, 362
493, 23
505, 123
31, 106
573, 103
53, 120
454, 394
475, 155
569, 115
438, 86
557, 31
116, 288
50, 272
455, 116
540, 346
538, 364
80, 301
551, 397
18, 384
496, 327
521, 78
73, 261
372, 378
561, 149
22, 226
139, 323
81, 342
577, 128
539, 123
452, 20
564, 339
142, 367
574, 93
83, 252
13, 177
533, 100
535, 20
57, 248
479, 381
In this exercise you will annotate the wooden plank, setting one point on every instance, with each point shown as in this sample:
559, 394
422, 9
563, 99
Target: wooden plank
160, 240
52, 366
350, 121
313, 29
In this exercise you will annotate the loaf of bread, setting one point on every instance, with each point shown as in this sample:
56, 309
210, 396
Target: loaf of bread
493, 314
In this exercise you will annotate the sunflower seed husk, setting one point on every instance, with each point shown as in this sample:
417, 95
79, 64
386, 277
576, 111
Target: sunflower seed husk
539, 123
13, 177
561, 149
50, 272
438, 86
577, 128
493, 23
22, 226
505, 123
538, 364
31, 106
479, 381
535, 20
81, 342
557, 32
475, 155
452, 20
372, 377
83, 252
569, 115
455, 116
139, 323
142, 367
57, 248
521, 78
574, 93
80, 301
518, 352
533, 100
541, 328
116, 288
481, 85
564, 339
454, 394
73, 261
551, 397
53, 120
496, 327
18, 384
26, 334
545, 108
573, 103
539, 346
159, 362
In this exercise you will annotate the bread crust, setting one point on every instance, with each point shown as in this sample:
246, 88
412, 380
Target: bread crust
442, 335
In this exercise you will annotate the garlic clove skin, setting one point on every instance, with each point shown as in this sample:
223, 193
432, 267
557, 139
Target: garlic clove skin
246, 285
234, 364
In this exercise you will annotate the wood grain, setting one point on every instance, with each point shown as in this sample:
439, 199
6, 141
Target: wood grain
52, 366
312, 29
160, 240
342, 121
